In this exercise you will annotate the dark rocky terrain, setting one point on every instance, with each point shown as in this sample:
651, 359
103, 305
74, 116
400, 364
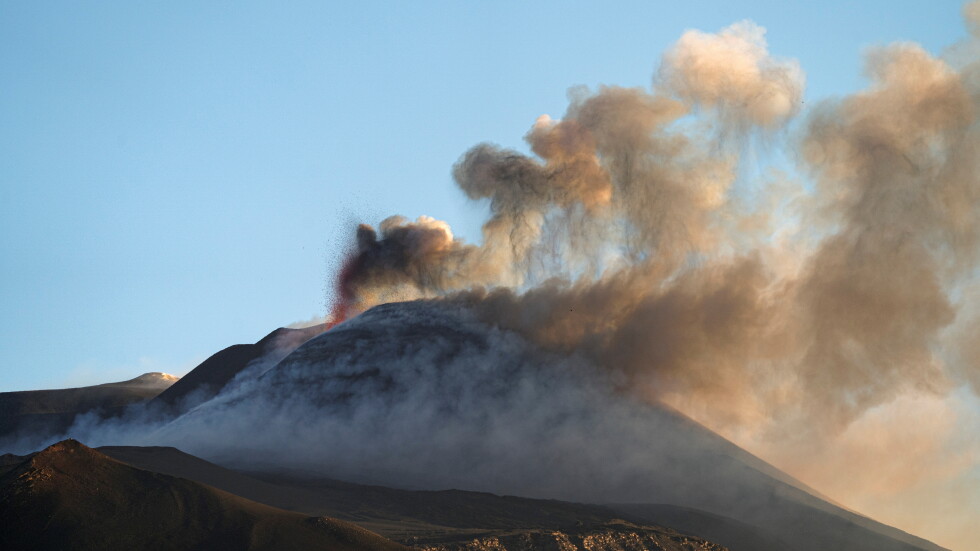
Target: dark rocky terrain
409, 516
454, 519
70, 497
613, 536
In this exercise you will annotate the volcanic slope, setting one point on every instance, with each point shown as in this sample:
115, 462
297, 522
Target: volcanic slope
207, 379
71, 497
36, 412
425, 395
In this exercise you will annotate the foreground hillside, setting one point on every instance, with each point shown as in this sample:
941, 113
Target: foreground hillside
72, 497
450, 519
69, 496
616, 536
427, 518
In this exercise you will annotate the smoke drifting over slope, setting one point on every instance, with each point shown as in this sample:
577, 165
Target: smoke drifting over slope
633, 236
424, 394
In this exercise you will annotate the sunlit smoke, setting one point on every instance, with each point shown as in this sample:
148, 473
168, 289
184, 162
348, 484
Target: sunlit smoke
732, 71
624, 235
619, 236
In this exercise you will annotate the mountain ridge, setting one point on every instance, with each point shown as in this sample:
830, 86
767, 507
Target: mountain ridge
29, 413
69, 496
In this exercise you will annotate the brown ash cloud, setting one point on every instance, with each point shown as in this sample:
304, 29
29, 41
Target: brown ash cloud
635, 233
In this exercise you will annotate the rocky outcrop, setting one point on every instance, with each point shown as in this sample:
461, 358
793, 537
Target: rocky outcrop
615, 536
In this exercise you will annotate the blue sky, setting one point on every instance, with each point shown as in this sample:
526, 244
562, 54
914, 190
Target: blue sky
179, 177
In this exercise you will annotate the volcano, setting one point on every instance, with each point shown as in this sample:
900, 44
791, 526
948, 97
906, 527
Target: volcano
424, 395
414, 419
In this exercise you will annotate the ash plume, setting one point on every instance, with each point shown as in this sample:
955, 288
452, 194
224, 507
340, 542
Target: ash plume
407, 260
618, 236
894, 163
631, 234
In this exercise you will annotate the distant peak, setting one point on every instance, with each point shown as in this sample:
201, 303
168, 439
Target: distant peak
153, 379
157, 376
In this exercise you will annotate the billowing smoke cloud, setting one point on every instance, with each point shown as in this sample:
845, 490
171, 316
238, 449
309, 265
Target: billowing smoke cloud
616, 239
623, 179
733, 72
621, 238
408, 260
895, 165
